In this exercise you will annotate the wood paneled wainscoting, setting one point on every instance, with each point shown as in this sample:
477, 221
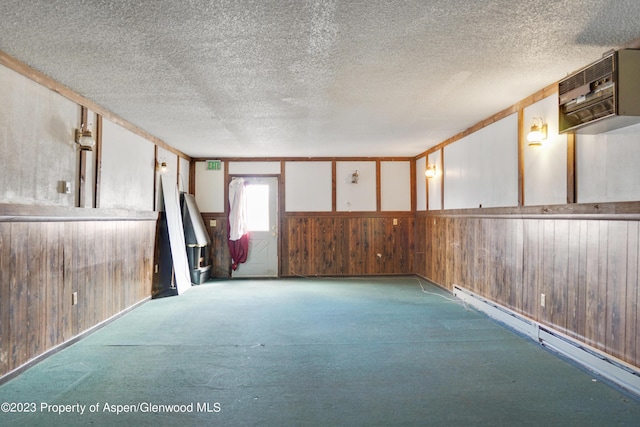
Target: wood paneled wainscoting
346, 244
218, 233
65, 270
330, 244
584, 259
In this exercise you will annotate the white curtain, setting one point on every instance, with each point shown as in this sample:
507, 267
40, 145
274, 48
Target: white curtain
237, 209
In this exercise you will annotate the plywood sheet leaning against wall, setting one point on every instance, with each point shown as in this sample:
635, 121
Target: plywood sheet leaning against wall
176, 235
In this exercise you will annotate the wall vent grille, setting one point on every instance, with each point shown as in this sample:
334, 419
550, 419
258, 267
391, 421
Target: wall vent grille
597, 71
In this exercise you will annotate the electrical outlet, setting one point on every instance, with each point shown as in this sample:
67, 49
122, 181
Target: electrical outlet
543, 300
395, 221
64, 187
156, 268
213, 223
74, 298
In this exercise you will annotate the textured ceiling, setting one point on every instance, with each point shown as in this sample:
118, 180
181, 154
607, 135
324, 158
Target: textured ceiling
310, 78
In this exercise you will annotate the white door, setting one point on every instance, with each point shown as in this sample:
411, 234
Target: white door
262, 219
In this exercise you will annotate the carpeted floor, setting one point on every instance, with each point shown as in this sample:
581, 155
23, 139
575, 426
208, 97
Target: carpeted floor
311, 352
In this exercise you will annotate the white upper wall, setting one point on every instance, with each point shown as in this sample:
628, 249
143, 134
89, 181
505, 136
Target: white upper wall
395, 186
607, 166
435, 184
254, 168
308, 186
360, 196
36, 143
481, 170
421, 184
128, 168
545, 166
209, 188
184, 175
171, 174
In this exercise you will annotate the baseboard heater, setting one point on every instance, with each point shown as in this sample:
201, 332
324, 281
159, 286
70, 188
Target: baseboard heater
614, 370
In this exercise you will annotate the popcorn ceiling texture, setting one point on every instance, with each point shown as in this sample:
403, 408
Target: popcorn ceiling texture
310, 78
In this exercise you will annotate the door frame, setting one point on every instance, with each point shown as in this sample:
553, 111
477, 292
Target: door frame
278, 209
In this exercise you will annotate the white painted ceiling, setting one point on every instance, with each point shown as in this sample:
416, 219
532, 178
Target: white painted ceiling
310, 78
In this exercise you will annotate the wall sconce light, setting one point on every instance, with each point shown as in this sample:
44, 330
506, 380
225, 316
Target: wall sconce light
355, 177
430, 172
538, 132
161, 167
84, 138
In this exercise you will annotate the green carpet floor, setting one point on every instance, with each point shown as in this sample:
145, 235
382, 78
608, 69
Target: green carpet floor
311, 352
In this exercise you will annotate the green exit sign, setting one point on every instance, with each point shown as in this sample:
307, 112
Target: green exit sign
214, 165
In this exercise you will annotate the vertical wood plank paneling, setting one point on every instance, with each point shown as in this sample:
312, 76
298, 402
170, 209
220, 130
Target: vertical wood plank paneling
54, 281
286, 235
419, 253
127, 253
583, 258
519, 265
305, 251
68, 312
219, 251
435, 250
331, 260
5, 297
483, 241
110, 265
559, 292
79, 284
440, 256
601, 297
591, 282
631, 295
460, 274
147, 271
575, 279
471, 251
616, 288
117, 288
18, 298
588, 270
546, 273
531, 265
449, 253
336, 245
42, 263
102, 270
511, 253
425, 244
342, 249
94, 314
357, 244
634, 290
498, 255
36, 310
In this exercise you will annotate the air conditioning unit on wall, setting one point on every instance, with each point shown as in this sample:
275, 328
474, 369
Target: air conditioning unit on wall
603, 96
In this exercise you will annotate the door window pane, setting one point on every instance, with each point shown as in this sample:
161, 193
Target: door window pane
257, 207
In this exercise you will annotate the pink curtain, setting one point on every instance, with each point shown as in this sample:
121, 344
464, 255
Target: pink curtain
237, 225
239, 250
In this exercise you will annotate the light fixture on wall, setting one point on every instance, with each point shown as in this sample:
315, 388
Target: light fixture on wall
355, 177
161, 167
430, 172
84, 137
538, 132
